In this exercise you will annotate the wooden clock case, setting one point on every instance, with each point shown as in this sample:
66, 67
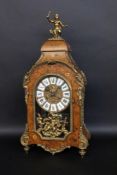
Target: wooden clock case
56, 59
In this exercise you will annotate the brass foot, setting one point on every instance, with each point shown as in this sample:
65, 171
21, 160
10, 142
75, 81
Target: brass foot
26, 149
83, 143
82, 152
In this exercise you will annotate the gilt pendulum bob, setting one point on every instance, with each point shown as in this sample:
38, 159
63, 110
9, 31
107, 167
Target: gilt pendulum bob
54, 95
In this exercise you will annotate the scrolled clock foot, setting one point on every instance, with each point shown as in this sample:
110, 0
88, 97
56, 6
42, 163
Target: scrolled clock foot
83, 143
25, 138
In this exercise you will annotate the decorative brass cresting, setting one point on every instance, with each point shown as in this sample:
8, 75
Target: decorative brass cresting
58, 25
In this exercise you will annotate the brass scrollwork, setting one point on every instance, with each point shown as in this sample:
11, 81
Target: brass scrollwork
52, 126
25, 137
83, 143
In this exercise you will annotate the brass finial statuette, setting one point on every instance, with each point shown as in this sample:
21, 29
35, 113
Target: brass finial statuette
58, 25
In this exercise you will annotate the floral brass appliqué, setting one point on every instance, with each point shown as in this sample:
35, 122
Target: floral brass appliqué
52, 126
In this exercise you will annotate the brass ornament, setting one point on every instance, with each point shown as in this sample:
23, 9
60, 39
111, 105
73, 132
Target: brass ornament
53, 150
25, 137
57, 23
52, 126
83, 143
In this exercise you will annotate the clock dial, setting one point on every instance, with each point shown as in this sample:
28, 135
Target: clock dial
53, 94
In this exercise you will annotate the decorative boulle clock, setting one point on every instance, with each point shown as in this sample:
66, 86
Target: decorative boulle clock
54, 95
